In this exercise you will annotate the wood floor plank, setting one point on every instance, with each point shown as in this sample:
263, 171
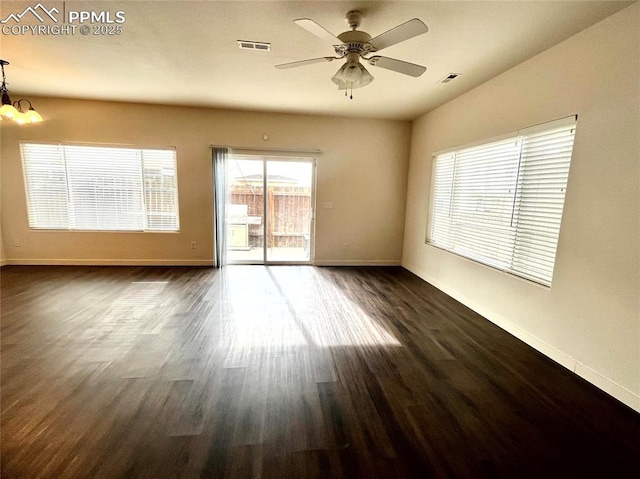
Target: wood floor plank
283, 371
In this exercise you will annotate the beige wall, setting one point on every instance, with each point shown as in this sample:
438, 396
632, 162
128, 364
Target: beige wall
362, 170
3, 256
2, 253
590, 319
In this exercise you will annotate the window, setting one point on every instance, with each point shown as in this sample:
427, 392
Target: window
94, 188
500, 203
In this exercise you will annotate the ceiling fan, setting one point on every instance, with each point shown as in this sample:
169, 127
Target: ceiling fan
355, 44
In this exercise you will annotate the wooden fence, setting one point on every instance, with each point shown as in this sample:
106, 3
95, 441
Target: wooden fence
288, 213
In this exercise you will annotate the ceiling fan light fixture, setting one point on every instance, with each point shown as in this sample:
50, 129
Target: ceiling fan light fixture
352, 75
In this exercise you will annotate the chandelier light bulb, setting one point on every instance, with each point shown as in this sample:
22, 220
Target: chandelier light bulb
7, 109
32, 116
20, 118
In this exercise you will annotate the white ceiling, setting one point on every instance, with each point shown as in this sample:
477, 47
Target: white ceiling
185, 52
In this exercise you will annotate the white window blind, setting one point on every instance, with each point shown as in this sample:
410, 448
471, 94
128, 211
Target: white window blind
100, 188
500, 203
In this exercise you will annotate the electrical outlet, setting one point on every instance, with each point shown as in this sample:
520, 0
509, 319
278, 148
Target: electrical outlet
193, 245
328, 204
345, 245
16, 243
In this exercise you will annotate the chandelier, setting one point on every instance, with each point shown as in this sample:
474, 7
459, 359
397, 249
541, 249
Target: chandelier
14, 111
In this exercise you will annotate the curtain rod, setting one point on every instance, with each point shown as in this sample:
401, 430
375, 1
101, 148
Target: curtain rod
313, 151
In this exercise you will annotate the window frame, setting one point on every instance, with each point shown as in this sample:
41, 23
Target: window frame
145, 211
525, 262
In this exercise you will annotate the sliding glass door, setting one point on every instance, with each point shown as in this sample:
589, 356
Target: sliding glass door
269, 210
244, 212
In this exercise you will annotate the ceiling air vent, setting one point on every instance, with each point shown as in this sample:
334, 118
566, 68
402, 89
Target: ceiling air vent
449, 77
261, 46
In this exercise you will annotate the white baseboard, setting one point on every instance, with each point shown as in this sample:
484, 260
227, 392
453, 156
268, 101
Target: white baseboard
175, 262
612, 388
357, 262
110, 262
607, 385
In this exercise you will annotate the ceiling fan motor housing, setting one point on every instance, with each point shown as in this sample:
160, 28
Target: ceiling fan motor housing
354, 41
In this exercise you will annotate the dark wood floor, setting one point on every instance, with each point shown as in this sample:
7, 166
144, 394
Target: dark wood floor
284, 372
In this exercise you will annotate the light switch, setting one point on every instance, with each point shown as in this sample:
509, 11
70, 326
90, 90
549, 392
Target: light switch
328, 204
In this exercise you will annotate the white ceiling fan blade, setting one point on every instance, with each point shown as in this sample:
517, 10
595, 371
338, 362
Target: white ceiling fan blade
399, 66
301, 63
318, 30
407, 30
